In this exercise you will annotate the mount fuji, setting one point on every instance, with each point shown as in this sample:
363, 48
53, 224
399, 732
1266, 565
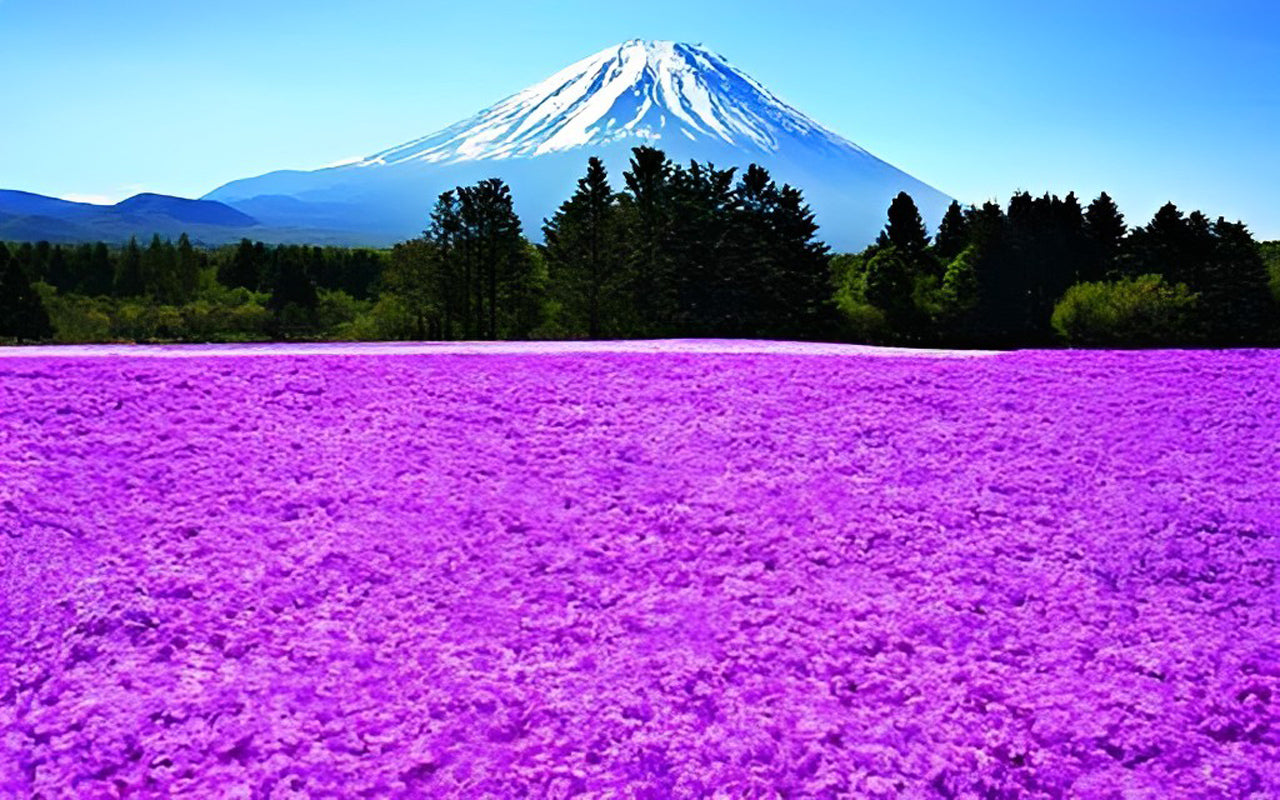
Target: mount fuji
681, 98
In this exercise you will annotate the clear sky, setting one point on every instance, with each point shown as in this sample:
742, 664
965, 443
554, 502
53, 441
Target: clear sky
1151, 101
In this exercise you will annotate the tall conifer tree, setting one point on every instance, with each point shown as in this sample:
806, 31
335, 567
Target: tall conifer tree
582, 253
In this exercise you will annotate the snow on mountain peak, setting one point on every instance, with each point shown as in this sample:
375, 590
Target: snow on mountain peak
642, 91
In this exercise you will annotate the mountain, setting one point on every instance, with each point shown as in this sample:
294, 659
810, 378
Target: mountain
32, 217
681, 98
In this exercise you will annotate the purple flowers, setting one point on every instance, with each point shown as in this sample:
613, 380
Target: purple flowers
538, 572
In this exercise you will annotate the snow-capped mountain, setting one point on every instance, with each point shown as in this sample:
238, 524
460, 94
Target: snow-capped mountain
681, 98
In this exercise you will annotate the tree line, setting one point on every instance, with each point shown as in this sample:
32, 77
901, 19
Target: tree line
1044, 270
678, 251
167, 291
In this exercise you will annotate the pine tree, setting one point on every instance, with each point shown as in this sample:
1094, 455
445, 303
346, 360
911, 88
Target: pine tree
906, 230
22, 312
160, 270
647, 206
582, 253
293, 295
129, 278
759, 257
1104, 225
799, 272
702, 252
187, 269
953, 233
100, 272
58, 273
1161, 247
244, 268
1236, 302
444, 232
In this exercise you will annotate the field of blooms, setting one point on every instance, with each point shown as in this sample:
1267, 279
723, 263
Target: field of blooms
647, 571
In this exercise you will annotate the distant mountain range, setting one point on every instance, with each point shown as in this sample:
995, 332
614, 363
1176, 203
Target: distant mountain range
33, 217
681, 98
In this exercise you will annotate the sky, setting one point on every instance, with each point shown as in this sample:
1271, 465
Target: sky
1149, 101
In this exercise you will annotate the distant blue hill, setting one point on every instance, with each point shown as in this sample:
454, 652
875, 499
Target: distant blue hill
198, 212
25, 216
29, 217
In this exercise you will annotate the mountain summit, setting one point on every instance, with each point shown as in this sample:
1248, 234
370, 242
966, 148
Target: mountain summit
636, 93
681, 98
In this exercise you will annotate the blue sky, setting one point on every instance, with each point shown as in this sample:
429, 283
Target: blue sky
1151, 101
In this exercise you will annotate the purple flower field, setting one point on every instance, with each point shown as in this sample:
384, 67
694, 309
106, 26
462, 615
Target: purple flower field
680, 570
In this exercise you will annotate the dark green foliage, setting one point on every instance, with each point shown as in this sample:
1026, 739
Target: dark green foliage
905, 230
1270, 252
413, 276
57, 272
293, 293
245, 267
796, 298
1236, 306
128, 273
472, 275
1105, 228
708, 255
1219, 261
889, 282
22, 312
953, 234
648, 216
584, 257
960, 295
187, 270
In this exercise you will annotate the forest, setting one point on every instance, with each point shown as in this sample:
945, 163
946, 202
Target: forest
678, 251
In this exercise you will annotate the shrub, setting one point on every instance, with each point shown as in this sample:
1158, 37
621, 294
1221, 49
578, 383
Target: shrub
1131, 312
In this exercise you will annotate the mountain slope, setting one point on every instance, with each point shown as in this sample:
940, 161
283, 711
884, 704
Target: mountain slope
684, 99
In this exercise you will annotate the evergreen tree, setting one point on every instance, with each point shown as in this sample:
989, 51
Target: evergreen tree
129, 278
953, 233
906, 231
798, 272
504, 268
58, 273
293, 286
37, 263
1161, 247
582, 246
1236, 303
702, 248
1104, 225
22, 312
244, 268
452, 281
486, 274
187, 268
100, 273
160, 270
648, 209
